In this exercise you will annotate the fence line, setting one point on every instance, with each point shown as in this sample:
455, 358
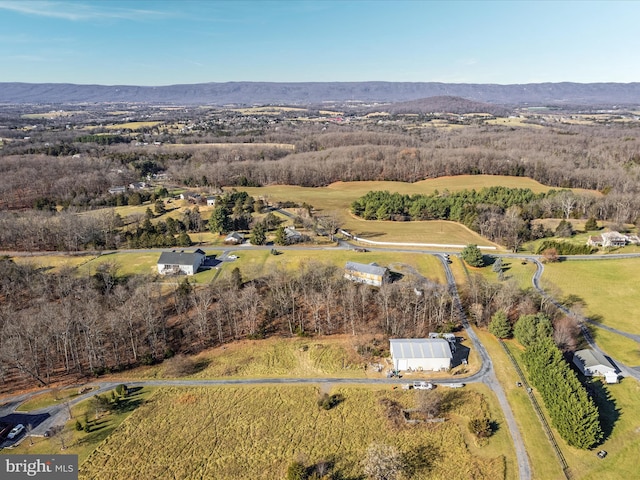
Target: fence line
536, 407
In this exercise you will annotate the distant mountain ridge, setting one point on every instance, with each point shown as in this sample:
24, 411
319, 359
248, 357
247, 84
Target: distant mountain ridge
309, 93
443, 104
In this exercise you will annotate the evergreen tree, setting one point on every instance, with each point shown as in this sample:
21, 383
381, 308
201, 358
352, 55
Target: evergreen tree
258, 235
592, 224
472, 255
280, 238
219, 222
499, 325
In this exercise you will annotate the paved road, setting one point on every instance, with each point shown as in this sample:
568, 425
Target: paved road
489, 378
624, 369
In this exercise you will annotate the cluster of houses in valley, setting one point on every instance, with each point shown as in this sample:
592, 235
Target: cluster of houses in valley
132, 186
612, 239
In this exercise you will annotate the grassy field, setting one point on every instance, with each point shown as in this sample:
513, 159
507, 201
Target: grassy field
47, 399
298, 357
132, 125
254, 263
338, 197
620, 417
621, 348
80, 442
54, 262
608, 289
543, 461
514, 270
434, 231
256, 432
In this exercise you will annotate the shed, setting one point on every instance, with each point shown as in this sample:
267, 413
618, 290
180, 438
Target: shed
421, 354
594, 364
176, 263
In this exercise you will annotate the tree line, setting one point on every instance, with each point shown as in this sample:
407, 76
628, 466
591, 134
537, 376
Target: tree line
58, 323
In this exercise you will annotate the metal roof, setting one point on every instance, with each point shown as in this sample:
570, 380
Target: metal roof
592, 358
179, 258
370, 268
420, 348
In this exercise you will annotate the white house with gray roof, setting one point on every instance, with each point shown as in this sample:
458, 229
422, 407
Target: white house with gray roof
369, 273
593, 364
180, 263
420, 354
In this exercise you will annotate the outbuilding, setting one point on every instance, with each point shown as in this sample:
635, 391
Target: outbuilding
419, 354
594, 364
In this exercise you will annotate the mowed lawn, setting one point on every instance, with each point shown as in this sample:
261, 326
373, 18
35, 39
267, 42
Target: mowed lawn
257, 431
608, 288
514, 269
255, 263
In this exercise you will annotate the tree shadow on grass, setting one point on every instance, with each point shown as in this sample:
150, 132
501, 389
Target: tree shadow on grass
609, 411
369, 234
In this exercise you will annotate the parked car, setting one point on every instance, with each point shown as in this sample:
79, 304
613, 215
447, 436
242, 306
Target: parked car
17, 430
423, 385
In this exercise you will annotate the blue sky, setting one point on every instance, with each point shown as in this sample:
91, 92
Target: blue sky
167, 42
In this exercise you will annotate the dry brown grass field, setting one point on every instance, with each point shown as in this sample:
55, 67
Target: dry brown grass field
257, 431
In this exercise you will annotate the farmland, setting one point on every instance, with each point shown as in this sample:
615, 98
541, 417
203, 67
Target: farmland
607, 289
256, 432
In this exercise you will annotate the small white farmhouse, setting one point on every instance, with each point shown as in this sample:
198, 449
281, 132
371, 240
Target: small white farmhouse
180, 263
593, 364
421, 354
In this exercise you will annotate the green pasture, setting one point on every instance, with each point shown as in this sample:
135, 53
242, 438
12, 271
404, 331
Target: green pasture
619, 347
608, 289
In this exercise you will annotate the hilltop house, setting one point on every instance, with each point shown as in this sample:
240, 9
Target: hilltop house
612, 239
211, 201
593, 364
118, 189
180, 263
371, 274
420, 354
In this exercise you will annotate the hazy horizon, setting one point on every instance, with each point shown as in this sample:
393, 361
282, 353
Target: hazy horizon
158, 43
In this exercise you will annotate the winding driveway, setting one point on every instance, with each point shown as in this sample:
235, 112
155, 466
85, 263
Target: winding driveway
626, 370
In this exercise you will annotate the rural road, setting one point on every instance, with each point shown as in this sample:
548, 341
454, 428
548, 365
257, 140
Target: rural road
488, 376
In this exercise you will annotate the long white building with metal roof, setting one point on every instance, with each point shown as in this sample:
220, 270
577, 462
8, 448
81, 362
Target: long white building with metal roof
421, 354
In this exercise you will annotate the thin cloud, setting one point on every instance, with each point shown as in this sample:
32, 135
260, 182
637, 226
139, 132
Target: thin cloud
78, 11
